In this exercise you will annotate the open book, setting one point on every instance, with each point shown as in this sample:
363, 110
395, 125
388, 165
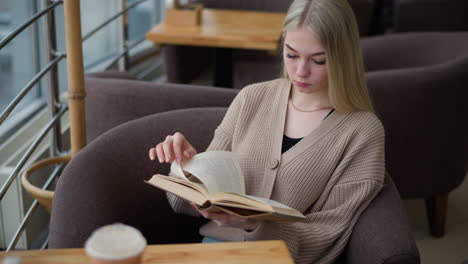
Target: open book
213, 180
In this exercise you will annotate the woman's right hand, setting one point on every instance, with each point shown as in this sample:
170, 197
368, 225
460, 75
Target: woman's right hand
174, 147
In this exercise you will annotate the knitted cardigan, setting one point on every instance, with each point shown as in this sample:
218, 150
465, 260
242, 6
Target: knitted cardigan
331, 175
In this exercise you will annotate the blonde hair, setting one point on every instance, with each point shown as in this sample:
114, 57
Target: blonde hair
334, 23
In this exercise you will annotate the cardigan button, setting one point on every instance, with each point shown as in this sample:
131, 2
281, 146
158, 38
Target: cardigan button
274, 164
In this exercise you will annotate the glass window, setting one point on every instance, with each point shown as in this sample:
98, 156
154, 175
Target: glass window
25, 56
18, 63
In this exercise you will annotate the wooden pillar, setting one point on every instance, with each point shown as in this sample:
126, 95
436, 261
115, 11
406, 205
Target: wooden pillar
76, 92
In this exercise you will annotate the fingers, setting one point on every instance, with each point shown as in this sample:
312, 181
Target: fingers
224, 219
174, 147
168, 149
197, 208
204, 213
189, 151
152, 153
178, 146
160, 153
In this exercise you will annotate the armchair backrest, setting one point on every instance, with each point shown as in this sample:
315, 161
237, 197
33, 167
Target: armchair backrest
412, 50
111, 101
434, 15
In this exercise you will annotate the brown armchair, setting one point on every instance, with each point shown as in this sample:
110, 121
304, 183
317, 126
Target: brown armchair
430, 15
104, 182
186, 64
393, 16
419, 86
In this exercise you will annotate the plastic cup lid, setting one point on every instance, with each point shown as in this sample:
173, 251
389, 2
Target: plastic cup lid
116, 241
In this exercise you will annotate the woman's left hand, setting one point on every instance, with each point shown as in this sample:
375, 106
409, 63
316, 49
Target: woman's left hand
229, 220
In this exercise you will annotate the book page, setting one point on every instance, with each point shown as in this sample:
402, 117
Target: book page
219, 171
186, 192
176, 171
190, 184
268, 201
248, 202
257, 207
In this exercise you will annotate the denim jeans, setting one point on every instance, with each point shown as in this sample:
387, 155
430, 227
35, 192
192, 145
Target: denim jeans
210, 240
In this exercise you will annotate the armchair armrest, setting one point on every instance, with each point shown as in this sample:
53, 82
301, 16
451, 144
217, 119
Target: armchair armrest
382, 233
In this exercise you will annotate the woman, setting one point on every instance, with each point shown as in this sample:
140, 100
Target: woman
309, 140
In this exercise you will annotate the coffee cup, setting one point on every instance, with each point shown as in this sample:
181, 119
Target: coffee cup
115, 244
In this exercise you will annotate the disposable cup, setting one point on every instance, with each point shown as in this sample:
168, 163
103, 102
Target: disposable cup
115, 244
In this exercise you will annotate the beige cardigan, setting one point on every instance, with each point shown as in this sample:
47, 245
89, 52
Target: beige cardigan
331, 175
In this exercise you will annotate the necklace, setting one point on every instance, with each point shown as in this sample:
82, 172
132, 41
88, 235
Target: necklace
308, 111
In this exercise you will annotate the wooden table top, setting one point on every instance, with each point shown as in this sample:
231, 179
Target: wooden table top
203, 253
226, 29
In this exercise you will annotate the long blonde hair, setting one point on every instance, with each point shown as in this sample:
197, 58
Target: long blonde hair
333, 21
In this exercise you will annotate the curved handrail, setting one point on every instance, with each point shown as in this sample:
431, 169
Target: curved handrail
44, 197
32, 209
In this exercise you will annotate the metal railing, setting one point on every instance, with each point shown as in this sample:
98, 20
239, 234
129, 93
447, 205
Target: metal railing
20, 165
56, 109
25, 25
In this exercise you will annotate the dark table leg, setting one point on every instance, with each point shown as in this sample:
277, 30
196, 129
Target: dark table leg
223, 67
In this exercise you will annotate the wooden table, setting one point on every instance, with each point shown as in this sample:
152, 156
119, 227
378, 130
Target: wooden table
232, 252
224, 30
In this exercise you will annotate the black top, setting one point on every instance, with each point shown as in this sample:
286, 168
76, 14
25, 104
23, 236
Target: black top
290, 142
